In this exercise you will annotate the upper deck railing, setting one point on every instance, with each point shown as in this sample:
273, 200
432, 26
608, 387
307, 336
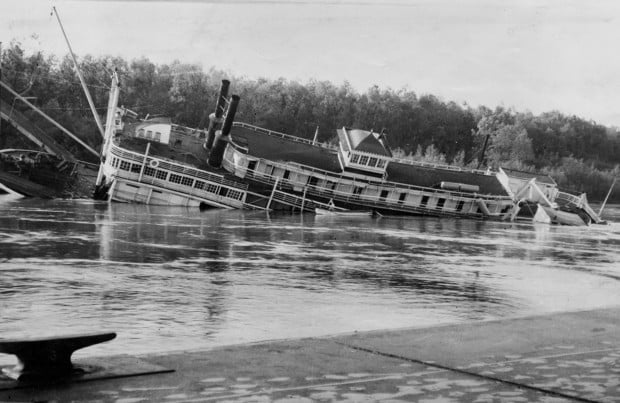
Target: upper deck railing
282, 135
178, 168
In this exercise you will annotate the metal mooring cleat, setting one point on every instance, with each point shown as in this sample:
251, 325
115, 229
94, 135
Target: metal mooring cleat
48, 358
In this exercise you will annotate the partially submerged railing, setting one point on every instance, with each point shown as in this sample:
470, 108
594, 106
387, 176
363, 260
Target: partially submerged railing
281, 135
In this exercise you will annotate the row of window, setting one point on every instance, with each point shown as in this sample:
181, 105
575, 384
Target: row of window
365, 160
327, 186
179, 179
148, 134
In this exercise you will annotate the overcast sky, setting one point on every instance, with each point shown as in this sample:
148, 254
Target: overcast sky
537, 55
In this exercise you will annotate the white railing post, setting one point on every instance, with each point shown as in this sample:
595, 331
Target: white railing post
146, 154
275, 185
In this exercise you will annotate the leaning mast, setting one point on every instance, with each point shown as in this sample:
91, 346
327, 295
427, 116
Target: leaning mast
79, 73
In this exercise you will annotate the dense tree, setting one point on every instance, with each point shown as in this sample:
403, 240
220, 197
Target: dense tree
580, 154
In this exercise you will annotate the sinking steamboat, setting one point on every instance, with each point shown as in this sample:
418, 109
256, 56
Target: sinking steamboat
237, 165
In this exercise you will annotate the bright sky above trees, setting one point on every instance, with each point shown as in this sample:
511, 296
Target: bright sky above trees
538, 55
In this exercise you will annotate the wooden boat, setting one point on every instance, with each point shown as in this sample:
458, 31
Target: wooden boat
237, 165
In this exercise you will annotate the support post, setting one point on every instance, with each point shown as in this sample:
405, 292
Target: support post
303, 199
146, 154
316, 134
273, 191
600, 212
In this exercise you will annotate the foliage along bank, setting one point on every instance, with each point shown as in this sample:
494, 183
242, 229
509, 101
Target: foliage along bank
580, 154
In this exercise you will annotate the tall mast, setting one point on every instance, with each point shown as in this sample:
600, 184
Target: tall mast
79, 73
110, 127
111, 114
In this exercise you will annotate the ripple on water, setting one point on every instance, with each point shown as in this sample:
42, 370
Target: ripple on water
171, 279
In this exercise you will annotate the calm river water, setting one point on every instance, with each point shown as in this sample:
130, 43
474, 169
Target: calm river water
173, 278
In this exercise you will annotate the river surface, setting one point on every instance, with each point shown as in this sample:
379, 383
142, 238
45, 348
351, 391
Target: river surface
168, 279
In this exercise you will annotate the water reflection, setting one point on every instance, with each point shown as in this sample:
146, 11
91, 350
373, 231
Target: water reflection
173, 278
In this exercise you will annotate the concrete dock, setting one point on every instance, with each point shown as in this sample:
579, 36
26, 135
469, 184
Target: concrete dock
562, 357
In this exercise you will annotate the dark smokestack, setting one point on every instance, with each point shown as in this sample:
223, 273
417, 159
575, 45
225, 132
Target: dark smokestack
230, 116
216, 117
221, 140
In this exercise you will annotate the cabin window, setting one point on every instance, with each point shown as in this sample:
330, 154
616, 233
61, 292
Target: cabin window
424, 201
459, 205
252, 165
199, 185
278, 172
141, 133
402, 197
384, 194
125, 166
355, 158
157, 136
161, 174
363, 160
212, 188
148, 171
234, 194
381, 163
357, 190
175, 178
287, 173
136, 168
440, 203
186, 181
372, 162
313, 181
149, 134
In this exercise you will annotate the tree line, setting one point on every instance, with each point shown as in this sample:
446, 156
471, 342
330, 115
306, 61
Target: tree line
580, 154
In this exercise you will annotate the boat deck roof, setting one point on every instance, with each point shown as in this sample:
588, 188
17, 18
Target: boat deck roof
275, 148
282, 149
195, 155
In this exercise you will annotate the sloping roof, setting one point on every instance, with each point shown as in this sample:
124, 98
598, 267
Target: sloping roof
365, 141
